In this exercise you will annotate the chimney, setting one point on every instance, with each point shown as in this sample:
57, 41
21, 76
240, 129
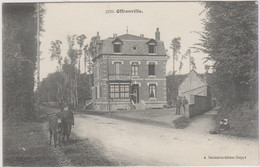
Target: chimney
157, 34
114, 35
98, 37
141, 35
206, 68
207, 71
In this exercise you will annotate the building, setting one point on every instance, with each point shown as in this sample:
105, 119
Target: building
129, 71
196, 85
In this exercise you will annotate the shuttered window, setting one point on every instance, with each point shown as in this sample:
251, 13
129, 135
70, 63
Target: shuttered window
151, 69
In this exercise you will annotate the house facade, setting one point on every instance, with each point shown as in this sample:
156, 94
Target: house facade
129, 70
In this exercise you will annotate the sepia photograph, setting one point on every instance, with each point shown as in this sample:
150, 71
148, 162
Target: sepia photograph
128, 83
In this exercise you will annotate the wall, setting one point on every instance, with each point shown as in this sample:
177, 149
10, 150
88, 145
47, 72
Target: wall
201, 104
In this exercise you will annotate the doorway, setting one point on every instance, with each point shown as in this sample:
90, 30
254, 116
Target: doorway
135, 93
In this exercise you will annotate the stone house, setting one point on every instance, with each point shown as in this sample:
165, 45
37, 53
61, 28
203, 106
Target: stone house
129, 71
196, 84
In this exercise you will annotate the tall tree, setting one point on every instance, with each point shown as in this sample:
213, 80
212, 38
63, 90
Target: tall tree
73, 54
230, 39
86, 58
56, 52
80, 41
19, 59
175, 46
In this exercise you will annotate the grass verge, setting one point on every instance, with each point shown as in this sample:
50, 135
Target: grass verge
25, 144
85, 152
243, 119
182, 122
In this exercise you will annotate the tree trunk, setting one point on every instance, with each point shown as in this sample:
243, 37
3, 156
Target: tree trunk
76, 91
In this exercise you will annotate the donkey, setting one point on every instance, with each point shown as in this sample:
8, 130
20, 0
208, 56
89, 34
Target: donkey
55, 129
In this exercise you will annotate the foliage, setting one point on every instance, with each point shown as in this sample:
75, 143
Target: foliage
85, 82
55, 87
50, 86
173, 82
87, 59
67, 88
56, 51
80, 41
19, 59
175, 46
230, 39
42, 11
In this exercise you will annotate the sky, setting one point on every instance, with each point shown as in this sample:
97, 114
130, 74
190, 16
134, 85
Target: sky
174, 19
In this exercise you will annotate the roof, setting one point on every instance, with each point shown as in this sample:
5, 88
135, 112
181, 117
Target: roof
129, 42
131, 37
200, 76
205, 78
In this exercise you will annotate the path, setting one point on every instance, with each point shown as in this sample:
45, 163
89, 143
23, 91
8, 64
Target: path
140, 144
203, 123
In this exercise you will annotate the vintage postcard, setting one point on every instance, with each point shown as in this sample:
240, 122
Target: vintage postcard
126, 83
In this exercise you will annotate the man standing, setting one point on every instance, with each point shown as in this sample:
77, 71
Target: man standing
67, 120
185, 103
178, 106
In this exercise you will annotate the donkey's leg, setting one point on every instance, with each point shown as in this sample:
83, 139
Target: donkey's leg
58, 138
68, 132
50, 136
55, 139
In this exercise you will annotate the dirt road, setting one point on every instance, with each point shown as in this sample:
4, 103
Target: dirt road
140, 144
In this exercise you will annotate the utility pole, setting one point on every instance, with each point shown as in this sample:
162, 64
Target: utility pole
190, 73
173, 61
38, 57
108, 86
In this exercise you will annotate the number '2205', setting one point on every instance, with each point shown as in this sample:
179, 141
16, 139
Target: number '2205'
110, 11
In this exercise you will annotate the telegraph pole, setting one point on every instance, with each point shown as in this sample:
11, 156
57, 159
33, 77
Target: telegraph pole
173, 61
108, 86
190, 74
38, 57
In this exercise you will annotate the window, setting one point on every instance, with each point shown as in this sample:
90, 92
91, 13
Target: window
97, 71
151, 69
151, 48
96, 92
100, 90
117, 67
117, 48
119, 91
152, 91
135, 69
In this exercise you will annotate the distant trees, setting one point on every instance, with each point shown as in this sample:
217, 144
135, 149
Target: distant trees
172, 84
56, 52
80, 41
66, 79
19, 59
230, 39
175, 46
